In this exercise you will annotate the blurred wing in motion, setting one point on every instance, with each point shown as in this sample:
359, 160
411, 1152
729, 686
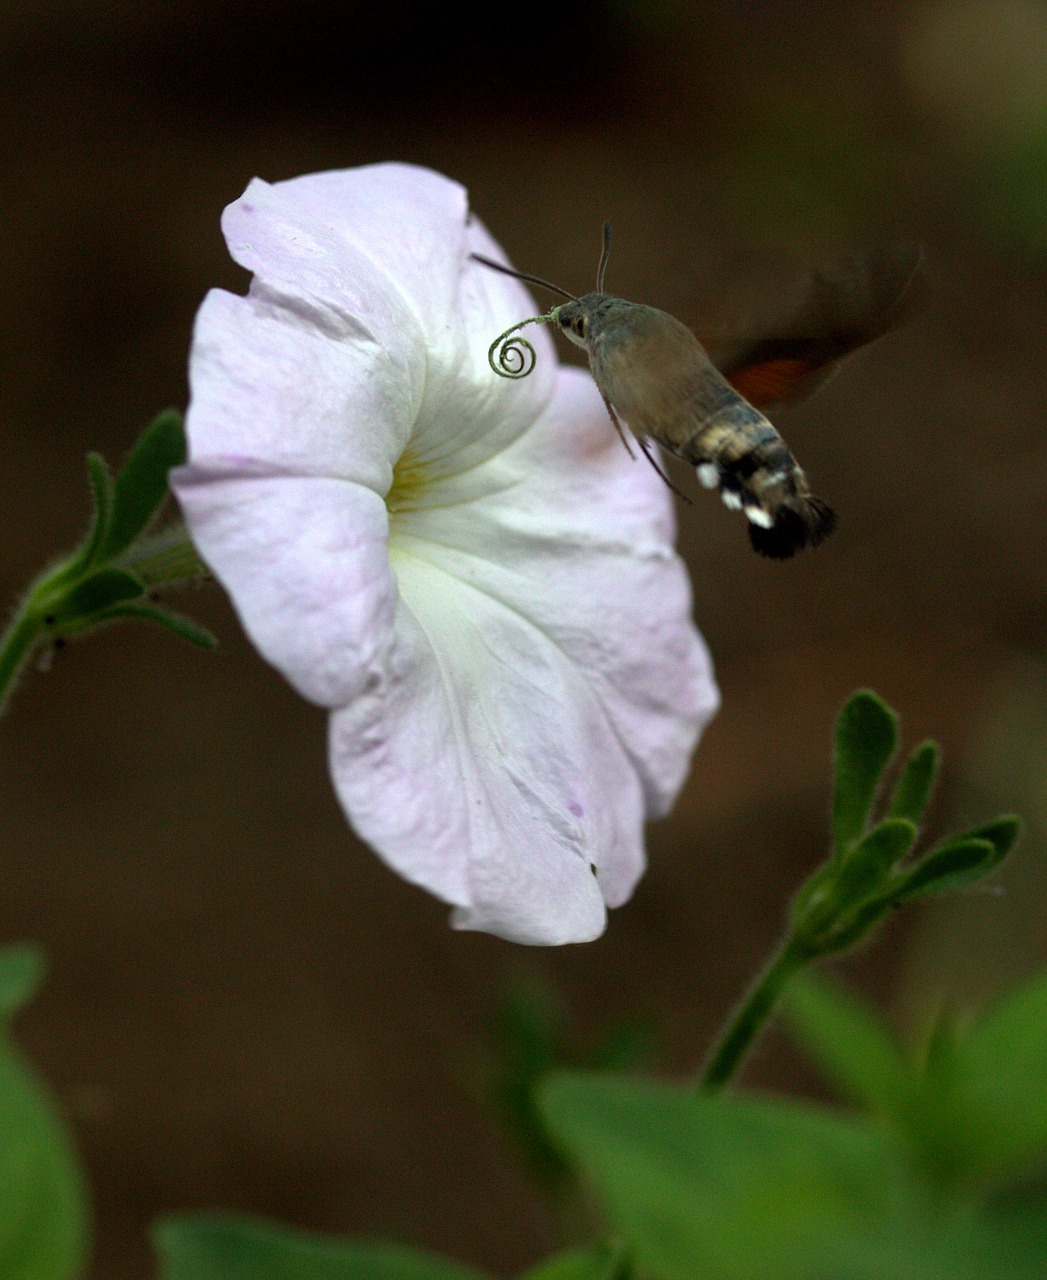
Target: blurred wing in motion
844, 305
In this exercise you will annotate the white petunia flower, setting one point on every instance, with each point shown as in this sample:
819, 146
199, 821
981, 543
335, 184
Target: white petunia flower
468, 571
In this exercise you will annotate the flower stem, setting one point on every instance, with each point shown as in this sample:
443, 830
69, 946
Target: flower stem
750, 1017
16, 646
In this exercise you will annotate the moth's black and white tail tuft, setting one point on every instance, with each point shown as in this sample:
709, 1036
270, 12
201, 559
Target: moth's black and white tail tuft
798, 522
764, 481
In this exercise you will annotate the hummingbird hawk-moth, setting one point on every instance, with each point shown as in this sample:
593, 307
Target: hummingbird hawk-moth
705, 407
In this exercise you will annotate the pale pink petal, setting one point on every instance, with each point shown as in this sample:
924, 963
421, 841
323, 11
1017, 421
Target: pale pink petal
483, 767
381, 251
270, 387
306, 563
572, 535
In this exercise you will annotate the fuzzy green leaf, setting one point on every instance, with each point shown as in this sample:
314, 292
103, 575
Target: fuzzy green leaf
962, 862
914, 787
1002, 833
182, 626
1004, 1066
866, 737
720, 1186
141, 485
704, 1187
848, 1041
52, 585
43, 1215
102, 491
223, 1247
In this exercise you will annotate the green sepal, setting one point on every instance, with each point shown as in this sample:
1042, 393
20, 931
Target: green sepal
187, 628
827, 920
141, 485
916, 783
815, 892
96, 594
868, 865
852, 927
960, 862
866, 738
224, 1247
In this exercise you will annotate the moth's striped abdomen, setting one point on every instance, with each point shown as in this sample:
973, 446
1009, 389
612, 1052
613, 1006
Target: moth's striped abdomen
742, 455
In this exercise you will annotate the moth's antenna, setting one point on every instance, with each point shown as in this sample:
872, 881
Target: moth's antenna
519, 275
605, 253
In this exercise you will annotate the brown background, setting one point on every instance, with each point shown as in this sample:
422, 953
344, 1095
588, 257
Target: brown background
245, 1008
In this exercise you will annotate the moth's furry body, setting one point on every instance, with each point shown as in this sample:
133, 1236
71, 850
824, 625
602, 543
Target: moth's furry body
656, 375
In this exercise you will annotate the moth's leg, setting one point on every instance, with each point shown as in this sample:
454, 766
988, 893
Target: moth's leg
646, 450
618, 427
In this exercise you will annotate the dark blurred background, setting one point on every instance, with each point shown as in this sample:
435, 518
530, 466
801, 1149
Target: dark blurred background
245, 1008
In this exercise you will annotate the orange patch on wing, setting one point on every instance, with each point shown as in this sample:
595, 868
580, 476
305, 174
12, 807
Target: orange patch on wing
773, 381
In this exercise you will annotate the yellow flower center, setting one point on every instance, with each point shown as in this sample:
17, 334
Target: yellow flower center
410, 480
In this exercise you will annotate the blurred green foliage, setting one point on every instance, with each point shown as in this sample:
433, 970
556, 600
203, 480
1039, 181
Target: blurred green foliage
218, 1247
43, 1203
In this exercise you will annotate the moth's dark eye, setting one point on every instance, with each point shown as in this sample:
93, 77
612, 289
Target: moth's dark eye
579, 326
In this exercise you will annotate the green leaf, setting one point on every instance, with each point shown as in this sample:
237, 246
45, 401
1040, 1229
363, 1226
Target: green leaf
223, 1247
914, 787
21, 971
1002, 833
721, 1187
53, 584
1004, 1068
955, 865
602, 1262
868, 865
963, 1245
43, 1214
728, 1188
866, 737
141, 486
102, 491
848, 1041
88, 598
182, 626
